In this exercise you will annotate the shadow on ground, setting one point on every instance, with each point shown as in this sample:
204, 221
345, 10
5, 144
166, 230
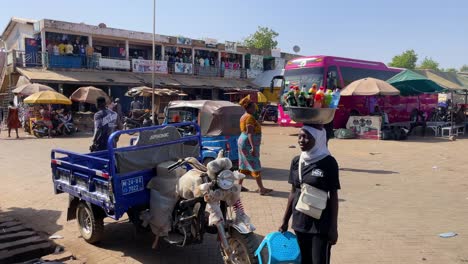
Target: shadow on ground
370, 171
275, 174
40, 220
122, 237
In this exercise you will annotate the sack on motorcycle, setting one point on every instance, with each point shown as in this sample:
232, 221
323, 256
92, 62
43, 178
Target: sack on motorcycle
163, 198
312, 201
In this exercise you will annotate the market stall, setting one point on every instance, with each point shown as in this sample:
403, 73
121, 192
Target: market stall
368, 127
162, 97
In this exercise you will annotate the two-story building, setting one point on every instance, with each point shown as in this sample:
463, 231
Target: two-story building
67, 55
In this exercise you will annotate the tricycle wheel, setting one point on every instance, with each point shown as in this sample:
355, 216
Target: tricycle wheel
243, 247
91, 226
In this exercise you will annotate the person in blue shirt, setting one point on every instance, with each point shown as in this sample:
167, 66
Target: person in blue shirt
105, 122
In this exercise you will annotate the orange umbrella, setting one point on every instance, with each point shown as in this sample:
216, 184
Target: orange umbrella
89, 94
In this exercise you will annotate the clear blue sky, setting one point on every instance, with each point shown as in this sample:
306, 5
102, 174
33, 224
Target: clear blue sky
365, 29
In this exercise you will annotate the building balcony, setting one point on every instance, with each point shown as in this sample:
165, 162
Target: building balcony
96, 62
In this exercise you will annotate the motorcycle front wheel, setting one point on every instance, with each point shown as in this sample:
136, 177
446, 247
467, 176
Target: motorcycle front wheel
37, 134
243, 246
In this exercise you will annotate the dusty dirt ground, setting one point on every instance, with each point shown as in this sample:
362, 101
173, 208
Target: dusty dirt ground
396, 198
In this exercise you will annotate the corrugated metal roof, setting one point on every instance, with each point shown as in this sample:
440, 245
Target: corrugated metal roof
80, 77
131, 79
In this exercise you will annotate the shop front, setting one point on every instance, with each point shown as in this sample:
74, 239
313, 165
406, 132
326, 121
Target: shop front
110, 54
144, 52
231, 64
206, 63
179, 59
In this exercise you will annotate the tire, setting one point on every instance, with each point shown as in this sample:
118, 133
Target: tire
91, 226
207, 160
245, 244
37, 134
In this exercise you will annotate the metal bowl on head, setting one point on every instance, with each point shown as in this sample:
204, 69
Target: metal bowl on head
308, 115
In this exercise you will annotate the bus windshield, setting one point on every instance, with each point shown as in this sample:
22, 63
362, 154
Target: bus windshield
304, 78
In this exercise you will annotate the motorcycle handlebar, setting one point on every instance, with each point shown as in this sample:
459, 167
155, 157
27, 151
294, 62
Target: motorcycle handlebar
175, 165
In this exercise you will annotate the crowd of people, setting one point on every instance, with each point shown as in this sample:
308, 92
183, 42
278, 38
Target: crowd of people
76, 47
181, 55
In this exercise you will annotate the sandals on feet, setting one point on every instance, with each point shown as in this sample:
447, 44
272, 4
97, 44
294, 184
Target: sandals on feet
266, 192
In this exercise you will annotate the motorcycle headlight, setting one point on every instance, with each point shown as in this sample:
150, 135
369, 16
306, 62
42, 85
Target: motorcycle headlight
226, 179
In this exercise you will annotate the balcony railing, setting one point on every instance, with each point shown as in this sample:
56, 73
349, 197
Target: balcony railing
46, 60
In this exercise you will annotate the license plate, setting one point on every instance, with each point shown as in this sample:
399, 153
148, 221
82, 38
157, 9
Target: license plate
132, 185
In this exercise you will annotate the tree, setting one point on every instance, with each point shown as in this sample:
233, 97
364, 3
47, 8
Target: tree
449, 70
405, 60
263, 38
429, 63
464, 68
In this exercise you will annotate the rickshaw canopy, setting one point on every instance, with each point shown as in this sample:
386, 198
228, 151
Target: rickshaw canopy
216, 118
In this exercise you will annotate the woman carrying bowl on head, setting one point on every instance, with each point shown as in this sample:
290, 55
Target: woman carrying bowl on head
249, 146
317, 169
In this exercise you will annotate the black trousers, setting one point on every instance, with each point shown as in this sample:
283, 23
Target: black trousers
315, 248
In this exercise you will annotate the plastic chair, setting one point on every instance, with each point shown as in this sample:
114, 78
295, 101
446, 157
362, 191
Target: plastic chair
282, 248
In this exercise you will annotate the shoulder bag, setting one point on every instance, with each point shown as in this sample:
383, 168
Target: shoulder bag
312, 201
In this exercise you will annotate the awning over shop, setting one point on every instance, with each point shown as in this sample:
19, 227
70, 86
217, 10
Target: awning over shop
412, 83
80, 77
448, 80
132, 79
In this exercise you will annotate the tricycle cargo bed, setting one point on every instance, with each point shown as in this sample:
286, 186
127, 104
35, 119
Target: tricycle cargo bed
115, 180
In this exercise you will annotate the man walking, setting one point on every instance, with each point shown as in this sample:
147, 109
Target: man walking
135, 104
105, 122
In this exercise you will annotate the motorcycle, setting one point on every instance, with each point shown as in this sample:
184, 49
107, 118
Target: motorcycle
208, 202
143, 121
40, 129
269, 113
67, 127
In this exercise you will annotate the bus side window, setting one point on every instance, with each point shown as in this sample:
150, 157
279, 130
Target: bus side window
332, 77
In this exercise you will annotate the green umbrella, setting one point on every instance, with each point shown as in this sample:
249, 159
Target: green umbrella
411, 83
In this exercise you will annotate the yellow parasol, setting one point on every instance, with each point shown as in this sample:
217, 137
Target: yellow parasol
47, 97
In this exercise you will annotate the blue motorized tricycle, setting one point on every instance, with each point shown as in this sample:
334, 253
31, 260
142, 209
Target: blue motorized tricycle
160, 183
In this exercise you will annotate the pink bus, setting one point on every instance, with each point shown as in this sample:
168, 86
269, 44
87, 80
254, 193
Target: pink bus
335, 72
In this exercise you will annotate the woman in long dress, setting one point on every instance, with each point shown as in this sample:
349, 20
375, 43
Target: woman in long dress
13, 119
249, 146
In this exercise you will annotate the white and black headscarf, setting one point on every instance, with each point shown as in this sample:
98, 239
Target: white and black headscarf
320, 149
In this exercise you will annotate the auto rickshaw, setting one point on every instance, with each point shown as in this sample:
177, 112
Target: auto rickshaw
218, 121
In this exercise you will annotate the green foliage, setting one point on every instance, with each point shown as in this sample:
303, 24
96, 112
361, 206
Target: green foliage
449, 70
464, 68
263, 38
429, 64
405, 60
